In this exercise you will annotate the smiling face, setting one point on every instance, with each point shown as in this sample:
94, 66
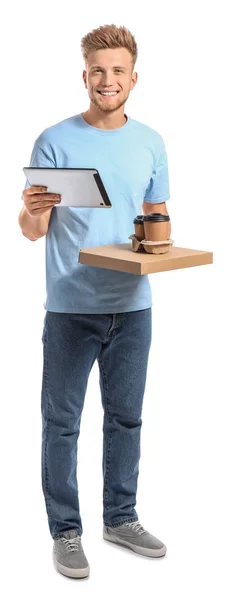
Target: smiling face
109, 70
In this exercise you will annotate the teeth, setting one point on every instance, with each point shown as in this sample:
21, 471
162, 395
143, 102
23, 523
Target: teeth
108, 93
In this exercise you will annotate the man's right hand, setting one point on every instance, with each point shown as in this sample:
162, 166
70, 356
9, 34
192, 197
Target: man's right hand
38, 201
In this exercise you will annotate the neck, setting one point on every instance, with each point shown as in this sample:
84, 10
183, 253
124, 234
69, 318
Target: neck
102, 120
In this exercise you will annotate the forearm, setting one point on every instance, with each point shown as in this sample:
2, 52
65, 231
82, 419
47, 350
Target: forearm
32, 227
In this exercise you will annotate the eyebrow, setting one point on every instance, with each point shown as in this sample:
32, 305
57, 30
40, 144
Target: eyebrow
116, 67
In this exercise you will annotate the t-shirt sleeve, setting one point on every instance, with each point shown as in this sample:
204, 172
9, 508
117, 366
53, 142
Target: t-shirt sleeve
40, 157
158, 188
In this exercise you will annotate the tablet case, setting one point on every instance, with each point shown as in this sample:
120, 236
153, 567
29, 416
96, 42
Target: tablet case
80, 187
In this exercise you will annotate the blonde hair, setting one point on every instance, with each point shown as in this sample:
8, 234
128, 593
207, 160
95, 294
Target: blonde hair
109, 36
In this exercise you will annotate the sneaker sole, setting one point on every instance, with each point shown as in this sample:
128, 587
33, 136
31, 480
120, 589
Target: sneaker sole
69, 572
154, 553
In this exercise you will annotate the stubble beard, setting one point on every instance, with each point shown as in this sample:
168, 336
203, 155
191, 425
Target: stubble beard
106, 107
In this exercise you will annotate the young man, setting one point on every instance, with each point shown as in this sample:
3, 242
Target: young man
92, 313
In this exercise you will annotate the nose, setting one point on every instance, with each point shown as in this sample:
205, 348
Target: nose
107, 79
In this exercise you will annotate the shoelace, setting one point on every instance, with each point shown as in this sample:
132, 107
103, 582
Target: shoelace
136, 526
71, 544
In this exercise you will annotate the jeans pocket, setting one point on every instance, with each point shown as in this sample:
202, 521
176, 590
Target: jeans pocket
44, 334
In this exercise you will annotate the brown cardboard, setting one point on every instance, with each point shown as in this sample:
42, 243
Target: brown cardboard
155, 247
136, 244
120, 257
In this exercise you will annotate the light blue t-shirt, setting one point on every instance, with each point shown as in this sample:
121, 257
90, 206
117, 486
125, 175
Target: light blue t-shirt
132, 163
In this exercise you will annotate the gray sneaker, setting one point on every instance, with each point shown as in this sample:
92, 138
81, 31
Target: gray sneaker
134, 536
68, 554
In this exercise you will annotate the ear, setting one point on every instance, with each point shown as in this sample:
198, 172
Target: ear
84, 77
134, 80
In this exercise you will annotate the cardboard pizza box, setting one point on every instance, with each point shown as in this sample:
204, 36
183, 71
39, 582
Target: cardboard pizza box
122, 257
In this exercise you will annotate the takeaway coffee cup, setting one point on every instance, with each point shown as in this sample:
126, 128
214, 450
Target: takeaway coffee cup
156, 227
139, 227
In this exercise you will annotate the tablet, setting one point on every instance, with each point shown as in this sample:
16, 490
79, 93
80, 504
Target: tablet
78, 187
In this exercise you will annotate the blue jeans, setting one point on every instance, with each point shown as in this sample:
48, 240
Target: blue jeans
71, 344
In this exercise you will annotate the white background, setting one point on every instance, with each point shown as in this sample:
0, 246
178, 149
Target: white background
182, 486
